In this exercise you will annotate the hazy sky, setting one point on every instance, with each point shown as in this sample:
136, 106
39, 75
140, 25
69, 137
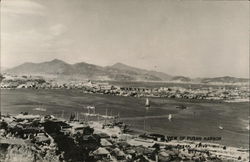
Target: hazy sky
191, 38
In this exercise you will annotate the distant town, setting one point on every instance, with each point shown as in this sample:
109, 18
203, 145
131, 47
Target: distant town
235, 92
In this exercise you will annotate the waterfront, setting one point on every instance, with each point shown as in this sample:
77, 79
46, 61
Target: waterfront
201, 118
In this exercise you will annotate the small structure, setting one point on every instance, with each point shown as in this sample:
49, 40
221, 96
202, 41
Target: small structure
164, 156
101, 153
105, 143
26, 117
41, 138
80, 128
120, 155
103, 135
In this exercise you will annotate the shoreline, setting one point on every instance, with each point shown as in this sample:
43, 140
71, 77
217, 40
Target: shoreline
123, 109
137, 132
243, 100
211, 149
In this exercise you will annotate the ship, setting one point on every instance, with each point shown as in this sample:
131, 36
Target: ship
220, 127
169, 117
147, 104
39, 109
91, 111
106, 116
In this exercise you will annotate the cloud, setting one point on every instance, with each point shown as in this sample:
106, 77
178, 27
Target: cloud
21, 46
57, 29
18, 7
19, 43
39, 38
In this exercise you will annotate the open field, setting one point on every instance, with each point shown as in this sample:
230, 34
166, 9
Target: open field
201, 118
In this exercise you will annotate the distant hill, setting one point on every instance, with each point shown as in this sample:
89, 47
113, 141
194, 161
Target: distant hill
141, 73
117, 72
52, 67
225, 79
1, 77
181, 79
61, 69
2, 69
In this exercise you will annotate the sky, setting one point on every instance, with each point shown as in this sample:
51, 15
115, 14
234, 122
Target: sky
192, 38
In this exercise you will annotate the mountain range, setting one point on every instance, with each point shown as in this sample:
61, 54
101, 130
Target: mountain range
59, 68
117, 72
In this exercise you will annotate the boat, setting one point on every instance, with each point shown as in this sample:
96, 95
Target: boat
106, 116
40, 109
220, 127
91, 107
91, 111
147, 104
169, 117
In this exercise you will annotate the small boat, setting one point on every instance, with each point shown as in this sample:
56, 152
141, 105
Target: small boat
91, 111
169, 117
107, 117
220, 127
40, 109
91, 107
147, 104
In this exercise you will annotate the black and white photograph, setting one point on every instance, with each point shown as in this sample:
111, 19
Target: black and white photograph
124, 80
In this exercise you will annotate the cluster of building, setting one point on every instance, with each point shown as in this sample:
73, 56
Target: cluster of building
13, 82
25, 139
46, 138
233, 93
208, 93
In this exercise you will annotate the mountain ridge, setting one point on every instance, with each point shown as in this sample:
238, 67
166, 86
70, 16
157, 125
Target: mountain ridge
85, 70
118, 72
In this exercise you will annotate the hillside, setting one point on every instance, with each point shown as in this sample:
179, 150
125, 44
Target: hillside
117, 72
53, 67
61, 69
181, 79
147, 73
225, 79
